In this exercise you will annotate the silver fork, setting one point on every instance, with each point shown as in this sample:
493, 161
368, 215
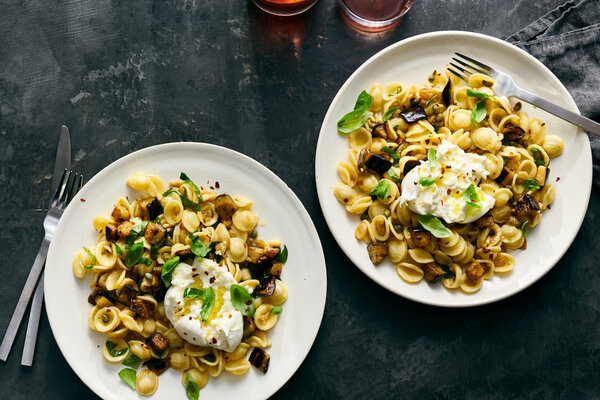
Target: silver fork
505, 86
69, 185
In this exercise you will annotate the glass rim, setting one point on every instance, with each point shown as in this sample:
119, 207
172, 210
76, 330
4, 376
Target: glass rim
367, 22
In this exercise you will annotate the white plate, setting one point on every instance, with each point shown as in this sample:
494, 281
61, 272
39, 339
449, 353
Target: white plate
285, 219
410, 62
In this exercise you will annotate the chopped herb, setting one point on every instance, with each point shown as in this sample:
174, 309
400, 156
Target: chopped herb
208, 302
276, 310
283, 255
356, 118
540, 163
193, 293
129, 201
395, 128
365, 216
132, 361
198, 247
436, 128
187, 180
167, 270
168, 192
478, 94
530, 184
210, 357
479, 112
392, 153
128, 376
242, 300
524, 228
136, 232
382, 189
134, 254
537, 156
118, 249
431, 157
154, 251
430, 100
191, 387
398, 89
434, 225
190, 204
392, 173
92, 256
470, 197
145, 261
448, 273
389, 113
426, 181
112, 350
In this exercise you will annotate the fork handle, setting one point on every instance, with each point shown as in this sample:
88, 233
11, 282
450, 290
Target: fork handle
33, 324
576, 119
17, 317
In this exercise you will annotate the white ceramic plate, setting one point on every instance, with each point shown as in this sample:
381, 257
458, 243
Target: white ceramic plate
410, 62
285, 218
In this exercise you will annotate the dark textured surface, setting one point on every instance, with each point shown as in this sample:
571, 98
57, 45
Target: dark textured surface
131, 74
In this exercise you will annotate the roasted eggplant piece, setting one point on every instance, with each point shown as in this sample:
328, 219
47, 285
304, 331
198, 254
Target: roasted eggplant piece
157, 365
485, 221
154, 233
420, 236
474, 271
446, 94
120, 213
413, 114
377, 251
158, 342
379, 131
140, 308
410, 165
267, 288
249, 327
125, 228
378, 163
99, 299
512, 132
154, 209
526, 209
260, 359
127, 294
112, 234
432, 272
225, 206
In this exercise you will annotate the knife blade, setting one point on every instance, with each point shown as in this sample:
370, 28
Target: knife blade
63, 157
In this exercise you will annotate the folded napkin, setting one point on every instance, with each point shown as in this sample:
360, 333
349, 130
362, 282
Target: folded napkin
567, 40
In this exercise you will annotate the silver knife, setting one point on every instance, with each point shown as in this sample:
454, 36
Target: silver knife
63, 161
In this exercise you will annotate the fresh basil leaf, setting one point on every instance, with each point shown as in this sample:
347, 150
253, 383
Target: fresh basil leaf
208, 302
382, 189
389, 113
430, 100
540, 162
187, 180
431, 157
167, 270
210, 357
434, 225
398, 89
136, 232
476, 93
128, 376
470, 197
168, 192
129, 201
524, 228
190, 204
392, 173
530, 184
537, 156
198, 247
242, 300
193, 293
392, 153
92, 256
118, 249
145, 261
283, 255
134, 254
363, 101
154, 251
112, 350
191, 387
479, 112
426, 181
276, 310
353, 120
132, 361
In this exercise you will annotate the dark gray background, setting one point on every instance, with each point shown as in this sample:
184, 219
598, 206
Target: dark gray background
124, 75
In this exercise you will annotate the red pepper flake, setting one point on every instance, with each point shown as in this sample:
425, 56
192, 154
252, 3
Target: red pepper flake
185, 333
427, 141
212, 188
442, 201
543, 124
214, 340
194, 339
486, 250
448, 166
82, 200
205, 272
443, 170
557, 178
211, 280
229, 315
108, 310
195, 275
415, 183
208, 182
193, 269
201, 187
449, 192
217, 184
549, 208
179, 302
190, 318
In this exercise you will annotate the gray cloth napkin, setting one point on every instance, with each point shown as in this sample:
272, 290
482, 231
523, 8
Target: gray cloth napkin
567, 40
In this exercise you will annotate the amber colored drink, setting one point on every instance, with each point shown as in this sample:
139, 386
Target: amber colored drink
374, 15
284, 7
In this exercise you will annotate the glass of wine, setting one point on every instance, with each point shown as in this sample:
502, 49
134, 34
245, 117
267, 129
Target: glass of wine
284, 7
373, 16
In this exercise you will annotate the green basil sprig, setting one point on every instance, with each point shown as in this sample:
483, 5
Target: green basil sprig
198, 247
530, 184
392, 153
276, 310
392, 173
193, 293
167, 270
136, 232
470, 197
430, 100
356, 118
434, 225
426, 181
132, 361
388, 114
479, 112
129, 376
524, 228
112, 349
92, 256
382, 189
283, 255
242, 300
191, 387
187, 180
431, 157
134, 255
118, 249
478, 94
208, 302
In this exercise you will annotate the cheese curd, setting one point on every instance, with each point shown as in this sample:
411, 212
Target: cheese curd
454, 171
224, 327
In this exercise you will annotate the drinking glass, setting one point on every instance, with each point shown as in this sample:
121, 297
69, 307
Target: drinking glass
284, 7
372, 16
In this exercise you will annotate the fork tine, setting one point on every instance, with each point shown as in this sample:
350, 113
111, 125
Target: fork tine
469, 66
64, 198
461, 69
479, 64
76, 187
464, 78
60, 188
